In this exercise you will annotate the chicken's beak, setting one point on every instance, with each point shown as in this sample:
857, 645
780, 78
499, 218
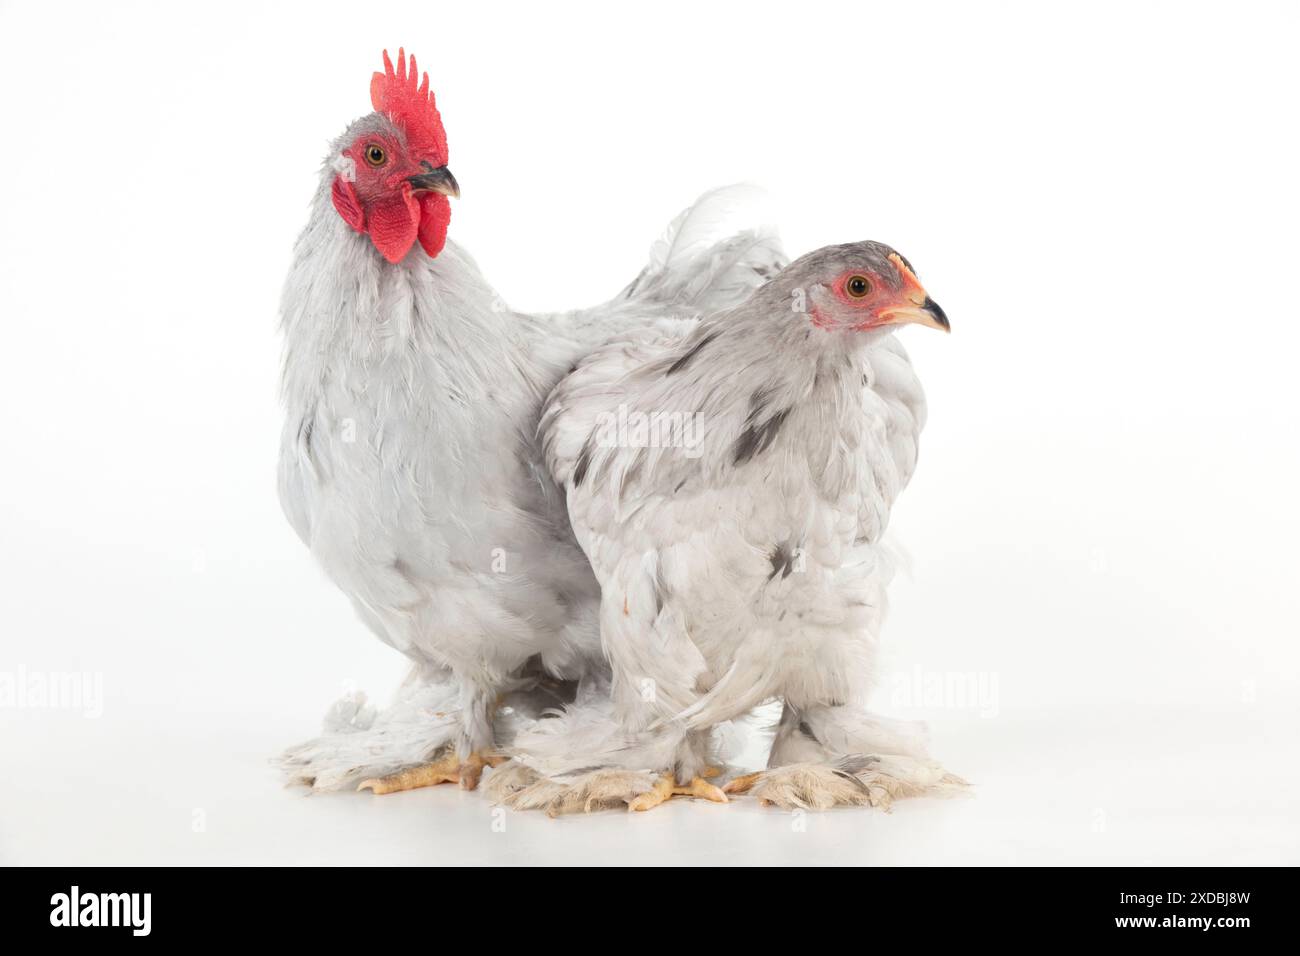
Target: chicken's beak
917, 306
924, 312
438, 180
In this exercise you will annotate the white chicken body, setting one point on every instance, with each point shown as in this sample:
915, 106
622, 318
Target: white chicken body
409, 464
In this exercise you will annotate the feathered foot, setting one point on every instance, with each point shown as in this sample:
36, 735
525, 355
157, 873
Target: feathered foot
522, 788
855, 781
447, 769
667, 787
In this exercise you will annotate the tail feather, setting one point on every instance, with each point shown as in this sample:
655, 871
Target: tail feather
714, 253
712, 256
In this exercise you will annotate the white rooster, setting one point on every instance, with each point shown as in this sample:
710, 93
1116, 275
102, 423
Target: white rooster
409, 463
746, 564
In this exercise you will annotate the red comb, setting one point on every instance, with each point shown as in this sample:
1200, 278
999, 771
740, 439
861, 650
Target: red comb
410, 106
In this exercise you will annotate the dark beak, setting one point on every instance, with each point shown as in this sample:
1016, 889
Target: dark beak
438, 180
940, 317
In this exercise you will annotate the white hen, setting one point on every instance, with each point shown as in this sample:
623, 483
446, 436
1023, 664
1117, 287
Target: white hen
738, 543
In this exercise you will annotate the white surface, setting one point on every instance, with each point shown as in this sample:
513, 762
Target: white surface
1104, 520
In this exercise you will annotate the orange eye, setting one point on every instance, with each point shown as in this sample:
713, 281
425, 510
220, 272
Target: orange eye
857, 286
375, 155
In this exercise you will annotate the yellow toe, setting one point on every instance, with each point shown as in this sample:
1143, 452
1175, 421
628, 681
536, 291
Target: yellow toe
446, 769
666, 787
742, 784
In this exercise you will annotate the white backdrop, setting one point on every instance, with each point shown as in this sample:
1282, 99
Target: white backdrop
1101, 620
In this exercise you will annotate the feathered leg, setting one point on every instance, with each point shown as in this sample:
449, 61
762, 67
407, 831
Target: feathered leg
360, 742
828, 756
464, 764
585, 760
689, 778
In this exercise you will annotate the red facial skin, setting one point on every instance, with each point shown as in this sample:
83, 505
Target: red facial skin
381, 203
864, 313
858, 314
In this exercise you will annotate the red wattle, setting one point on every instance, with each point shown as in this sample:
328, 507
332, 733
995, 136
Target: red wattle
435, 215
393, 225
347, 204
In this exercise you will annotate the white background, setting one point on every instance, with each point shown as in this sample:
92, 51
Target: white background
1103, 526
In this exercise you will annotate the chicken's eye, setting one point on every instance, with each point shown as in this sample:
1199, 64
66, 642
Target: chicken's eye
375, 155
858, 286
